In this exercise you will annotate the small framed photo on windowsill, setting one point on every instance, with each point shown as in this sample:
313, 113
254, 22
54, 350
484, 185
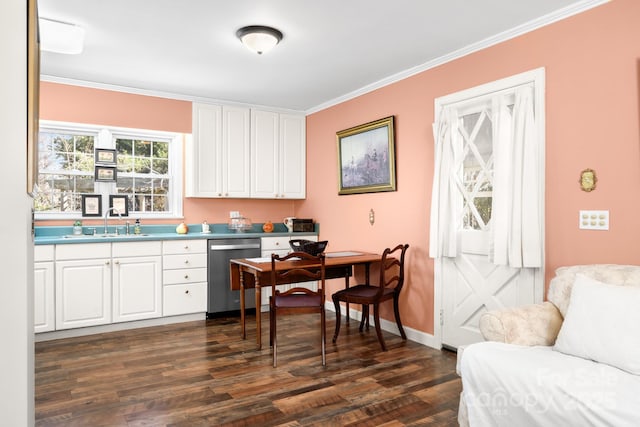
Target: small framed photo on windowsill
119, 205
106, 157
105, 173
91, 205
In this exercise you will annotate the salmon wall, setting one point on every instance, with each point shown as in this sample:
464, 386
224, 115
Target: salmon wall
77, 104
592, 63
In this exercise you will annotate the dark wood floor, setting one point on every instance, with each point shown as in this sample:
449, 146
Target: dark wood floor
202, 374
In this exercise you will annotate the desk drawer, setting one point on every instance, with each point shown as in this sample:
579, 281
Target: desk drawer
185, 275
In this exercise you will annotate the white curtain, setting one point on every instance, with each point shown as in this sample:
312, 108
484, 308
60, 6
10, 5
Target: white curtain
516, 219
445, 197
516, 222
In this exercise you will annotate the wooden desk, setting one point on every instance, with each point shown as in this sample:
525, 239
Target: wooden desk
256, 273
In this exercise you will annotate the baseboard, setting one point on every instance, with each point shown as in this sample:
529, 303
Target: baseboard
414, 335
90, 330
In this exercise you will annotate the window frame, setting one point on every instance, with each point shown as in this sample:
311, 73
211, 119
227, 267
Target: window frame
105, 138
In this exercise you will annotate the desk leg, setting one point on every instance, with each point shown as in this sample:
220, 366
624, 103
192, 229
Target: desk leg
346, 285
243, 332
258, 313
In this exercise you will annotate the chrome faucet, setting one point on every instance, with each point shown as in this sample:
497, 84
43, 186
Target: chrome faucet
106, 214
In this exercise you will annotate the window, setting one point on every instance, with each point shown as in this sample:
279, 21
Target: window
148, 170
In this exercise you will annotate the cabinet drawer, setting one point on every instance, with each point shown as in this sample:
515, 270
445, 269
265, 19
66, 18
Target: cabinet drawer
128, 249
185, 275
43, 253
184, 246
184, 299
171, 262
282, 243
83, 251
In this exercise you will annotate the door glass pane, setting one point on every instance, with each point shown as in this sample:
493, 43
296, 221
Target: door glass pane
476, 131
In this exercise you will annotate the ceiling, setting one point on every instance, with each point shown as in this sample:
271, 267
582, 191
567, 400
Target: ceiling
332, 49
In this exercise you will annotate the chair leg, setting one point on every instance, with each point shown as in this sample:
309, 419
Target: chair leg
376, 318
275, 339
397, 313
323, 336
336, 304
365, 317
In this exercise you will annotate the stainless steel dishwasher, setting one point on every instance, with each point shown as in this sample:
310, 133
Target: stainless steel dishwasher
220, 298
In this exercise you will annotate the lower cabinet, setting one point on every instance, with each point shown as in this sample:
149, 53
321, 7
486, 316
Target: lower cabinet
184, 277
83, 293
44, 316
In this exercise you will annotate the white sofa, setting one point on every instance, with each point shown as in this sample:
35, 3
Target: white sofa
573, 360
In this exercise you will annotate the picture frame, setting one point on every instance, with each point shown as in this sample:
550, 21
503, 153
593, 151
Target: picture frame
105, 173
366, 158
106, 157
120, 203
91, 205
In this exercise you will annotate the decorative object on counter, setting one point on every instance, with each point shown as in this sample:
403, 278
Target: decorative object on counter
267, 227
366, 158
588, 180
119, 202
77, 227
288, 222
136, 227
308, 246
302, 225
91, 205
205, 227
182, 228
240, 224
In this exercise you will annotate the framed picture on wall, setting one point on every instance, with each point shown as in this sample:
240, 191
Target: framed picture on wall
105, 173
119, 203
366, 158
91, 205
105, 157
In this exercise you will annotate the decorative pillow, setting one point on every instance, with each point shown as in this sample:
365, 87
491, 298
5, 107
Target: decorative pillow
603, 324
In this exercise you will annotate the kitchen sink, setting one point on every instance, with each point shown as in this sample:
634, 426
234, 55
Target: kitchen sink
96, 236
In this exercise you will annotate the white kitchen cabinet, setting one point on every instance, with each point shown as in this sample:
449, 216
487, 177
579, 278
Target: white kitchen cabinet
278, 155
44, 289
137, 281
184, 277
218, 155
280, 246
83, 285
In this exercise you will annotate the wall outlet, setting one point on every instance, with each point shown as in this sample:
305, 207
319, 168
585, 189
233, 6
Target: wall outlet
594, 220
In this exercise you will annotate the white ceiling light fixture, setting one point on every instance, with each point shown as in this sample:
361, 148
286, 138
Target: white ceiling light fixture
61, 37
258, 38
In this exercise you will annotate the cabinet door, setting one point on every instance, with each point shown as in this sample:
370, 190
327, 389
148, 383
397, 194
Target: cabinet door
83, 293
203, 160
236, 146
292, 173
264, 154
137, 288
44, 306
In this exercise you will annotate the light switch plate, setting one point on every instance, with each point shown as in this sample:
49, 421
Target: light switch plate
594, 220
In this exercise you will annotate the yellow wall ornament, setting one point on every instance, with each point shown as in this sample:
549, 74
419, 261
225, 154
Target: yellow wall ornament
588, 180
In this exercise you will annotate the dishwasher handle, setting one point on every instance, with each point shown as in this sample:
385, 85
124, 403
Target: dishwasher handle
237, 246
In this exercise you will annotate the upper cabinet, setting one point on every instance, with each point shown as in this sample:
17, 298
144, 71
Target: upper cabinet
218, 158
238, 152
278, 155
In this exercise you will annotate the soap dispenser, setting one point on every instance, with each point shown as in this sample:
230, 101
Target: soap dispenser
136, 228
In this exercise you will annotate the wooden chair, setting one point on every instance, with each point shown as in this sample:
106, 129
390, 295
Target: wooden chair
389, 287
305, 268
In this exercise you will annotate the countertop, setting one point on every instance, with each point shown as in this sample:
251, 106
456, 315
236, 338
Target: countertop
57, 235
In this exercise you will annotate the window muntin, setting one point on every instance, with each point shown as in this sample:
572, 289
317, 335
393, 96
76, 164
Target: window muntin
149, 167
65, 169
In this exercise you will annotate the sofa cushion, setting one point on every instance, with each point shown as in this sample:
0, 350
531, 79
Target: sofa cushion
602, 324
533, 324
560, 286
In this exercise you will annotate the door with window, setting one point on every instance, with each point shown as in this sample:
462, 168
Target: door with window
469, 281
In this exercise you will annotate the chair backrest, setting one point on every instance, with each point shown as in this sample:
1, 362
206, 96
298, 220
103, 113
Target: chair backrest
301, 267
392, 268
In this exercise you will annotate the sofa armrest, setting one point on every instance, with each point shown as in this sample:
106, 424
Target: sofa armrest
534, 324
